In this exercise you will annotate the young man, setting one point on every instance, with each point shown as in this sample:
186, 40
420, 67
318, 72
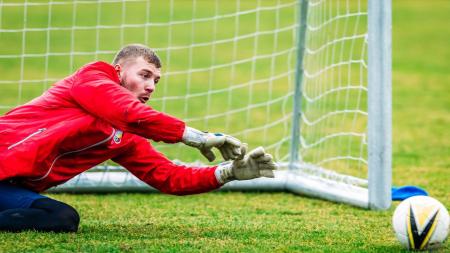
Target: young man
96, 114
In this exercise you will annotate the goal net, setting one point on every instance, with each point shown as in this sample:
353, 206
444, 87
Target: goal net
289, 75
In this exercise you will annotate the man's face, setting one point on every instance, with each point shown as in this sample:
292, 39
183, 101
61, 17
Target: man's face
139, 77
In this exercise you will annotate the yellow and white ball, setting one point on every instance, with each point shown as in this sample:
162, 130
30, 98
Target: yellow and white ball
421, 223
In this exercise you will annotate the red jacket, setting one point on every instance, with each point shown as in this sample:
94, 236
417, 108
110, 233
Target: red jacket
88, 118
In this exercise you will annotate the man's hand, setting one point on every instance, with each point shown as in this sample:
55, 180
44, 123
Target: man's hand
229, 147
255, 164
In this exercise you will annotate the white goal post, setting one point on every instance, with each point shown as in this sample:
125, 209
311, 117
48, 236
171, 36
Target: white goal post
310, 80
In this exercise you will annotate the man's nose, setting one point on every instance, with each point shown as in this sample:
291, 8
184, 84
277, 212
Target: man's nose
150, 87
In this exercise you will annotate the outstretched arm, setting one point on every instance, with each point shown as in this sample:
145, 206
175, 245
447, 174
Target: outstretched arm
143, 161
152, 167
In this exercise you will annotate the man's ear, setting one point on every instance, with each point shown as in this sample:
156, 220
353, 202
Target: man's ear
118, 69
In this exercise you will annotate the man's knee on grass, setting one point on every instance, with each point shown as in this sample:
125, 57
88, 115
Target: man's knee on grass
65, 217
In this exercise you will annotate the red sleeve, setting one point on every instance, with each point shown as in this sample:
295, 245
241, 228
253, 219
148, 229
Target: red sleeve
143, 161
97, 90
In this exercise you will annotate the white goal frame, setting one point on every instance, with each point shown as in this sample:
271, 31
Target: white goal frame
373, 193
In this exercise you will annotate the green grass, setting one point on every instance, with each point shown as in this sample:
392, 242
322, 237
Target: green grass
266, 222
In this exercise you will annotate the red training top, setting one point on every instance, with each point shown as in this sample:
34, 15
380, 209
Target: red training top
84, 120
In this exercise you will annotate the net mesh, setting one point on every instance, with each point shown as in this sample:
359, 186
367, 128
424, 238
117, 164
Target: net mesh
334, 101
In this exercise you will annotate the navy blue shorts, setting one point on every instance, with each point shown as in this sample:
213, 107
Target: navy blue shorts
12, 196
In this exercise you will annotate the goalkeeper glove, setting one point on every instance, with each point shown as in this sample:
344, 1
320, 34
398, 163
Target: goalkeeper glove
255, 164
229, 147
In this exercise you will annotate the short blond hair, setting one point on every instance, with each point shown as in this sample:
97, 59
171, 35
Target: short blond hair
134, 51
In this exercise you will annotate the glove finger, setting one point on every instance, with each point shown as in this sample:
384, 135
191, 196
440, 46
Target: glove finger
231, 154
236, 151
266, 166
257, 152
227, 154
208, 154
252, 164
224, 154
243, 148
275, 166
266, 173
232, 141
266, 158
214, 141
233, 147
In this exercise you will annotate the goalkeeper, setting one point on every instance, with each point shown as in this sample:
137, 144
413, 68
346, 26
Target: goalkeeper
99, 113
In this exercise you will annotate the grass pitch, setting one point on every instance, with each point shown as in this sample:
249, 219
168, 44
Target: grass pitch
281, 222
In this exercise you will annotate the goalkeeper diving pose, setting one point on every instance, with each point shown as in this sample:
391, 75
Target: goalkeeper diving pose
99, 113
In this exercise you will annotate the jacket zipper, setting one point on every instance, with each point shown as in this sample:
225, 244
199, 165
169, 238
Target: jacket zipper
74, 151
28, 137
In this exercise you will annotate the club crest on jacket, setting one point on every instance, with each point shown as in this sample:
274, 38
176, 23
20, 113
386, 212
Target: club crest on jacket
118, 136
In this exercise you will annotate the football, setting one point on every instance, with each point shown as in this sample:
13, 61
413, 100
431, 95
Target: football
421, 223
